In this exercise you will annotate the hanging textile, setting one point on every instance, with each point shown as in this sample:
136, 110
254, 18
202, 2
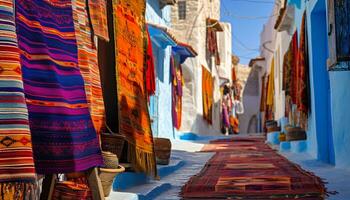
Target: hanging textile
150, 70
177, 85
207, 94
303, 76
294, 73
64, 138
87, 61
289, 73
98, 14
17, 173
234, 74
212, 45
302, 91
134, 120
271, 85
263, 94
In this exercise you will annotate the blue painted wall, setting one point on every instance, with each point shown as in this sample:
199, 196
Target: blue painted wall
160, 108
328, 134
340, 101
320, 140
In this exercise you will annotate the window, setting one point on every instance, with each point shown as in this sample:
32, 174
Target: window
182, 10
339, 34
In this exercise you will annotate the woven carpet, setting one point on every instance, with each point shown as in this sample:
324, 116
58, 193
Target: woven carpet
134, 120
63, 135
17, 173
87, 61
246, 168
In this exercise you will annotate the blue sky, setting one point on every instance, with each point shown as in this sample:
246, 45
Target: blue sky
247, 18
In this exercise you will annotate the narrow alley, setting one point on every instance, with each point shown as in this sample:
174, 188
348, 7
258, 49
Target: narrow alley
174, 99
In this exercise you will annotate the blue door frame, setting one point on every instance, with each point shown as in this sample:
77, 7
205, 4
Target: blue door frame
321, 83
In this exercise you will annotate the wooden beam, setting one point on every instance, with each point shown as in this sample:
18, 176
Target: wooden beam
95, 184
48, 187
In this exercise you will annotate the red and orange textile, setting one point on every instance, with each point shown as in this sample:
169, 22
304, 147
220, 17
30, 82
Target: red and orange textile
303, 76
63, 136
88, 64
17, 172
207, 95
177, 92
234, 74
290, 74
72, 190
246, 168
150, 70
212, 45
294, 73
98, 16
134, 119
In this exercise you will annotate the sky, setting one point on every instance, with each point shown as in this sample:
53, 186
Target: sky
247, 18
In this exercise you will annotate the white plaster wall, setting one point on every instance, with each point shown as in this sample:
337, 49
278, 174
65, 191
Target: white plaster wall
282, 44
225, 50
193, 31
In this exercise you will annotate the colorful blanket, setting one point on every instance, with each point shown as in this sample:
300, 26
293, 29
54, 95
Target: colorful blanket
207, 95
177, 84
98, 16
303, 95
64, 138
245, 168
17, 173
134, 120
87, 61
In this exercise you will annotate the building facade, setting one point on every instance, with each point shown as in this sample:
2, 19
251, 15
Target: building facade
190, 21
328, 73
165, 47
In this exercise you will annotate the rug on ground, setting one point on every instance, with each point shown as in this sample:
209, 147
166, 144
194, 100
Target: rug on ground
247, 168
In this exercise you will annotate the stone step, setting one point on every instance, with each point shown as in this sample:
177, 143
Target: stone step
150, 190
127, 180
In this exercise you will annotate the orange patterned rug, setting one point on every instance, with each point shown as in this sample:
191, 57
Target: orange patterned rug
134, 120
247, 168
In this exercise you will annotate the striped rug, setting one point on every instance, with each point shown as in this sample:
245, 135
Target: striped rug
17, 171
245, 168
87, 61
64, 138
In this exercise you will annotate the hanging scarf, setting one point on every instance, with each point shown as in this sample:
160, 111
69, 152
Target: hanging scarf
17, 173
98, 14
207, 94
87, 61
177, 85
302, 94
212, 45
234, 74
295, 68
150, 70
303, 76
64, 138
131, 50
271, 85
289, 74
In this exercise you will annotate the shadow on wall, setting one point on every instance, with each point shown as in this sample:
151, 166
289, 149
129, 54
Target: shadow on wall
251, 102
201, 127
253, 125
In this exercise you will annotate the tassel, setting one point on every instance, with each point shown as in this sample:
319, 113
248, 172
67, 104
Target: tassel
17, 191
142, 161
